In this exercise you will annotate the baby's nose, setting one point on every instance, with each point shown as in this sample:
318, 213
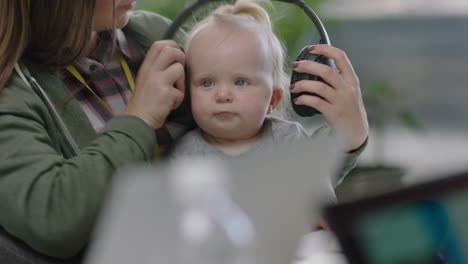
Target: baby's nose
224, 94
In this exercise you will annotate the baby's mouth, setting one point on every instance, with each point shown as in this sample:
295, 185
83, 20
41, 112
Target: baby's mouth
224, 115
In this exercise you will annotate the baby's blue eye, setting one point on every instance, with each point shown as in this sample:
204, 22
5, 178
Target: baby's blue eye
207, 83
241, 82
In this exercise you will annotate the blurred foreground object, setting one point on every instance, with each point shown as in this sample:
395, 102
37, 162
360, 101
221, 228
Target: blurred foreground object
280, 190
320, 247
212, 228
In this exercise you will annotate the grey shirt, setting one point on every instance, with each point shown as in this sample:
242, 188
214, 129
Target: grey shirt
274, 131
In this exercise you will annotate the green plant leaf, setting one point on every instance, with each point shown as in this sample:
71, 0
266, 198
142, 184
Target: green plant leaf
408, 120
381, 89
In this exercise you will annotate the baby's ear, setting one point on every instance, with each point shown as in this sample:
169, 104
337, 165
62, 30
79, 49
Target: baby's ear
276, 97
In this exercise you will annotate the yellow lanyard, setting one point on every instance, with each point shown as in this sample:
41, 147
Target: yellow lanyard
80, 78
131, 83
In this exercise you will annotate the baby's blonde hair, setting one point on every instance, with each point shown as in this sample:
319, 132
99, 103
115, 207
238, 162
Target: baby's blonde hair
250, 11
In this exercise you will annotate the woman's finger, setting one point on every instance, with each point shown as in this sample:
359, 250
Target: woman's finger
156, 47
342, 62
313, 101
320, 88
328, 74
176, 75
177, 98
167, 56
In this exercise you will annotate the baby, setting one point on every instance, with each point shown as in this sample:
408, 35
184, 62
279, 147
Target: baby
237, 77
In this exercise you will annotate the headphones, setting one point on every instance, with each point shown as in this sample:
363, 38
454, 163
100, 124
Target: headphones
301, 110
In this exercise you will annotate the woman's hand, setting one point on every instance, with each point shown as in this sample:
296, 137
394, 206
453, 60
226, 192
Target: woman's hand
342, 104
159, 84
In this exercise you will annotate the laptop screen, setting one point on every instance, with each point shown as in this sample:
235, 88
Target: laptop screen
420, 224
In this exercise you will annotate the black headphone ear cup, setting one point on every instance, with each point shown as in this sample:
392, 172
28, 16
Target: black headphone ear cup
187, 101
304, 110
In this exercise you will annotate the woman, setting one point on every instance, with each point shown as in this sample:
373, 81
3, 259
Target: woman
83, 57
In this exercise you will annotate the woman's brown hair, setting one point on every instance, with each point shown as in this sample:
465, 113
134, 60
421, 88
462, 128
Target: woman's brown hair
49, 32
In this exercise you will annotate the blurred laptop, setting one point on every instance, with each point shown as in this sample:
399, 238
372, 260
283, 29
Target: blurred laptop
281, 190
424, 224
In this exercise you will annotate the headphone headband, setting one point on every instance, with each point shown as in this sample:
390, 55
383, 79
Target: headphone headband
186, 13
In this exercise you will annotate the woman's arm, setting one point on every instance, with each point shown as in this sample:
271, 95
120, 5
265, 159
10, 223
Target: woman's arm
51, 202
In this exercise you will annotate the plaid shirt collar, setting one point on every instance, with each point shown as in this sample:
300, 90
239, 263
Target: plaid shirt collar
105, 76
103, 48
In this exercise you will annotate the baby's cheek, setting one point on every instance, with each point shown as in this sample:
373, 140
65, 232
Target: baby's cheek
198, 115
197, 105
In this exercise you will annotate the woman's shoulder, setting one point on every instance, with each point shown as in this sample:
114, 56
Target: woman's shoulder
17, 95
148, 18
148, 27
